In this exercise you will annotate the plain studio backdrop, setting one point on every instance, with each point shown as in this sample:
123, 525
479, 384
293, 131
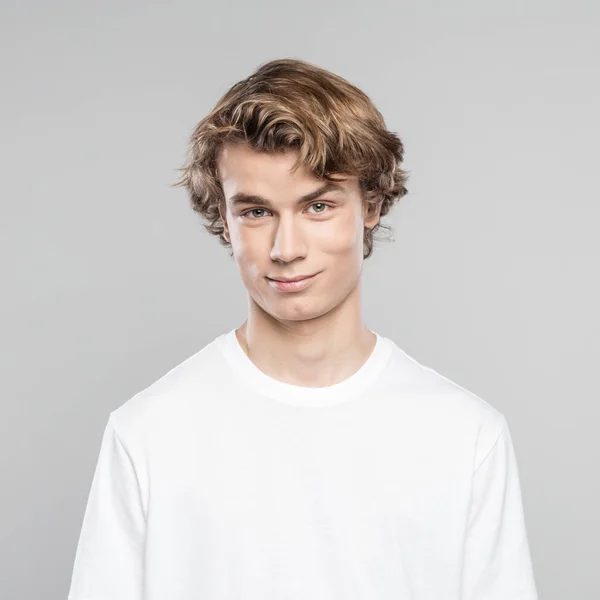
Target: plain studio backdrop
109, 279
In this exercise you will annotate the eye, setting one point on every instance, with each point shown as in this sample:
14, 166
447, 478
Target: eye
247, 213
323, 204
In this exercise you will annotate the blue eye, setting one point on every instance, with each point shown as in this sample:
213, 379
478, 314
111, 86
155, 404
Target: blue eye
253, 210
322, 204
248, 213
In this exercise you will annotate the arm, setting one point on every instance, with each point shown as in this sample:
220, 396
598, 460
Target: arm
497, 562
109, 559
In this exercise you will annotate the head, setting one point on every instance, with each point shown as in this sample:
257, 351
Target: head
292, 171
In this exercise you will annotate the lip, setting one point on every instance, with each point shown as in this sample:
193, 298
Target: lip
293, 285
286, 279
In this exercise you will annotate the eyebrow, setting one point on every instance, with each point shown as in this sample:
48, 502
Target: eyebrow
241, 198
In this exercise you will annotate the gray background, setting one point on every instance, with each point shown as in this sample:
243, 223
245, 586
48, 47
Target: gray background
109, 280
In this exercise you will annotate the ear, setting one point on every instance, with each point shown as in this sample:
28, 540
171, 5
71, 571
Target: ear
224, 220
371, 214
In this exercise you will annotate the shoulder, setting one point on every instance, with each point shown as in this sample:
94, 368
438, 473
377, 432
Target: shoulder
170, 397
460, 412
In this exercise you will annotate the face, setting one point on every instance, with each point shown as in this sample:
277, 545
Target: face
284, 225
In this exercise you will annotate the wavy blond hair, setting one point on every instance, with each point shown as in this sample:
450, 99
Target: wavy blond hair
290, 104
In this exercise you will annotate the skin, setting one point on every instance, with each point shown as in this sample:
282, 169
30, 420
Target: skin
315, 337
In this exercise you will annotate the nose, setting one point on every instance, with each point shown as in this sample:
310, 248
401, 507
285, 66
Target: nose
289, 242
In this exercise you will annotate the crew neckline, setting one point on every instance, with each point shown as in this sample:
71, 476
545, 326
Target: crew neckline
298, 395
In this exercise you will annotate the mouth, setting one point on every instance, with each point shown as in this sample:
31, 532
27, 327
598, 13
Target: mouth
291, 279
292, 285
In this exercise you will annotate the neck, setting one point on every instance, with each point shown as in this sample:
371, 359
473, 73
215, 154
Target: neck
311, 353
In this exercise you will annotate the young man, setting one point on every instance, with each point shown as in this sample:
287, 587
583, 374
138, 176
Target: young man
302, 455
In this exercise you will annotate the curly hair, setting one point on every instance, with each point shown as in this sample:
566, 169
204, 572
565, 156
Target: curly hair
292, 104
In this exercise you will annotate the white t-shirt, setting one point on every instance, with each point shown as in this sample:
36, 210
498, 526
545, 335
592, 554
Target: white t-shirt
218, 482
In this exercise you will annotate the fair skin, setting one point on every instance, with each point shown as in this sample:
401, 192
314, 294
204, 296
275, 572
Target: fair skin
314, 337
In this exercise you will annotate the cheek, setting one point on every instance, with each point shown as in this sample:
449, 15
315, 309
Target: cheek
247, 253
344, 237
250, 272
243, 244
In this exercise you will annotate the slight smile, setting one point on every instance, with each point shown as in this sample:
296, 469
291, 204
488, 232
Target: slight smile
293, 285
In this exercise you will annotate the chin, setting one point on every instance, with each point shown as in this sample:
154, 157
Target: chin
298, 310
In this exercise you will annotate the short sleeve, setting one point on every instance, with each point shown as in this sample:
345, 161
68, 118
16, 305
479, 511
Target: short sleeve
497, 562
109, 557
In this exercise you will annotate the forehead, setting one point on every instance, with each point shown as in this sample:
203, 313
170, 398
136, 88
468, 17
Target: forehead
242, 169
